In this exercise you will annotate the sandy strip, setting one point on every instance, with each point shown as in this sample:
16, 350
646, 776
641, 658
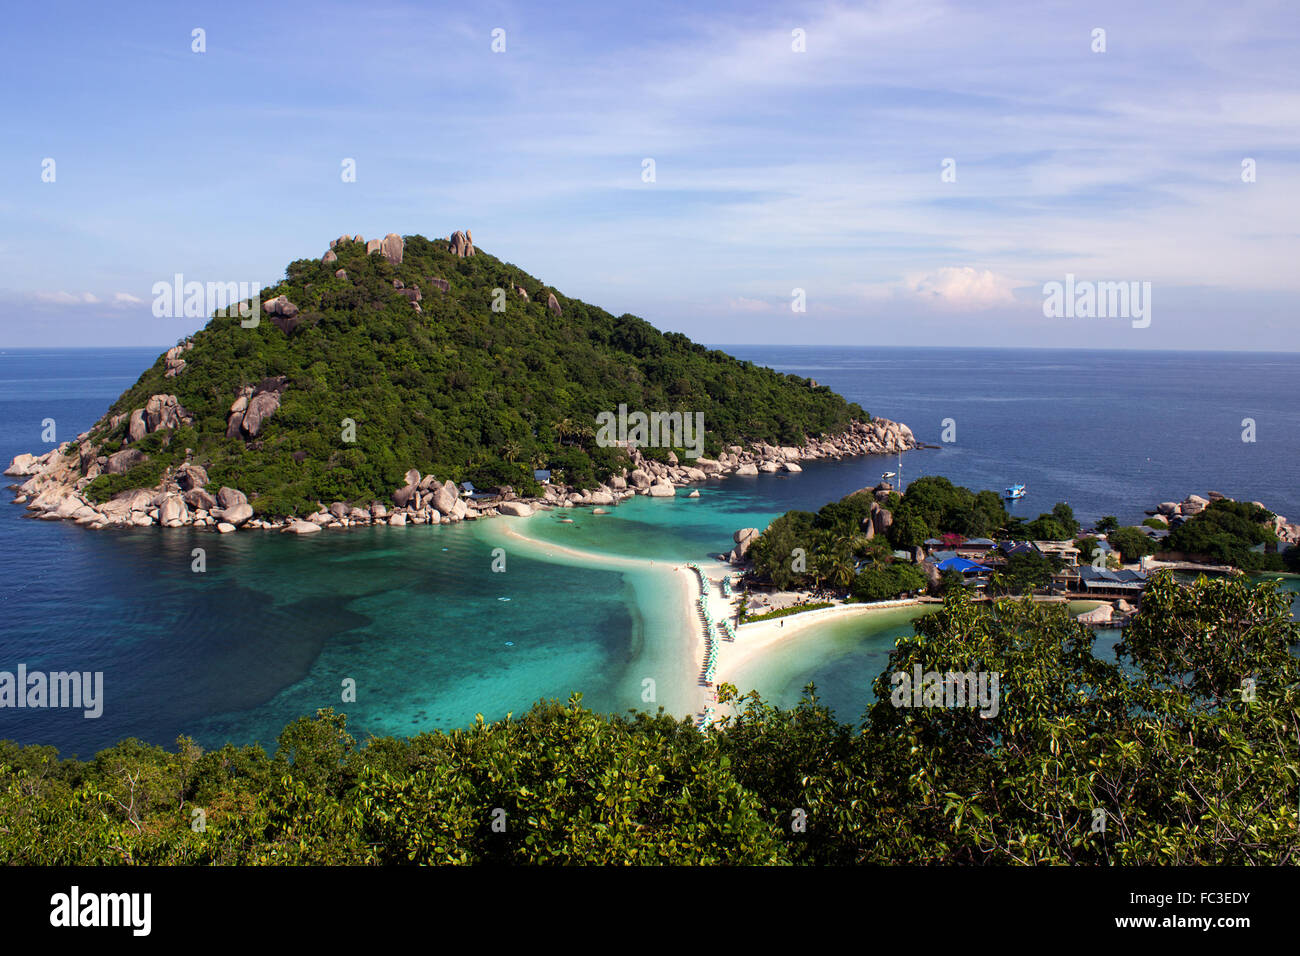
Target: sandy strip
684, 694
758, 637
687, 691
721, 608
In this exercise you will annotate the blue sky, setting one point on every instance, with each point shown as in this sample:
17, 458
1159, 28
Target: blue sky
775, 170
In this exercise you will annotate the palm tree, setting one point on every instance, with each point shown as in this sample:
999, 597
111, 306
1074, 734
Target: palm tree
840, 566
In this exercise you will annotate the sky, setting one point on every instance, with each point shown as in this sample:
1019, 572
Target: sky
910, 173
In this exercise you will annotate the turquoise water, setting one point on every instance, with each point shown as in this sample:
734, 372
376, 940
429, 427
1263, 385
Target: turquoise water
416, 617
841, 657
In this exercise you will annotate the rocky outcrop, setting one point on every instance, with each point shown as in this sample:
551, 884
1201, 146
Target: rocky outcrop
744, 538
121, 462
445, 498
191, 477
173, 512
137, 428
23, 465
440, 284
330, 257
462, 243
284, 315
516, 509
161, 411
172, 359
552, 304
260, 408
237, 514
662, 489
392, 248
281, 306
1174, 513
253, 406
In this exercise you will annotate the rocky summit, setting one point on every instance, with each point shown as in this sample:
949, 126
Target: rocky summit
380, 381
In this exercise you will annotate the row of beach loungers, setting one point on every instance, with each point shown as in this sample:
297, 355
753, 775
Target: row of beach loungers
711, 647
712, 631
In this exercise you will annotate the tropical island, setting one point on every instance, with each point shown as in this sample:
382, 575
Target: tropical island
425, 381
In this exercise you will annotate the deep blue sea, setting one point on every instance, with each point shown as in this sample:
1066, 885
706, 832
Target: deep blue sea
431, 635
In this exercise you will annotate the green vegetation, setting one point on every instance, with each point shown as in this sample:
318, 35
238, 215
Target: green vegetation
803, 550
784, 612
1186, 768
1057, 526
840, 552
1225, 532
1023, 573
1132, 543
882, 582
934, 506
457, 390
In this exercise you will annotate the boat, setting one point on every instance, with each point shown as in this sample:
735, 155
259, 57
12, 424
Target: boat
1015, 491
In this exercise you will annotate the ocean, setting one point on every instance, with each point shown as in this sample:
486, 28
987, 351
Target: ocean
429, 635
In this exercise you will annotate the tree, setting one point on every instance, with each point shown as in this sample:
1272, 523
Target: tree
1131, 543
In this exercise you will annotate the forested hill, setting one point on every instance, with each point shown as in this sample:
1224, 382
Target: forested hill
404, 341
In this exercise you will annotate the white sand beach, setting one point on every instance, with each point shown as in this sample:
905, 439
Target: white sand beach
672, 650
758, 637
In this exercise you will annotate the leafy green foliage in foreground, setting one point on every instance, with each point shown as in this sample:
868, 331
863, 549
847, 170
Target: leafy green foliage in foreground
1162, 744
457, 390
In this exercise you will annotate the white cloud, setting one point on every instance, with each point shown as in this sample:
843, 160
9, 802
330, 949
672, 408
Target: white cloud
67, 298
126, 298
742, 304
964, 288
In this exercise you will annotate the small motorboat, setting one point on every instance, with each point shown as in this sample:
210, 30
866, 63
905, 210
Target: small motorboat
1015, 491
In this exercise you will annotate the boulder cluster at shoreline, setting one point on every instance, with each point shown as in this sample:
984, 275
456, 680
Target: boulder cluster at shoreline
55, 483
1174, 513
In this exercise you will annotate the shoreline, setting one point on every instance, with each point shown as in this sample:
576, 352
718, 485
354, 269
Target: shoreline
757, 637
672, 641
56, 482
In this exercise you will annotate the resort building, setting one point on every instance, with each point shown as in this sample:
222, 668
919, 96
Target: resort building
976, 548
1105, 582
1064, 550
